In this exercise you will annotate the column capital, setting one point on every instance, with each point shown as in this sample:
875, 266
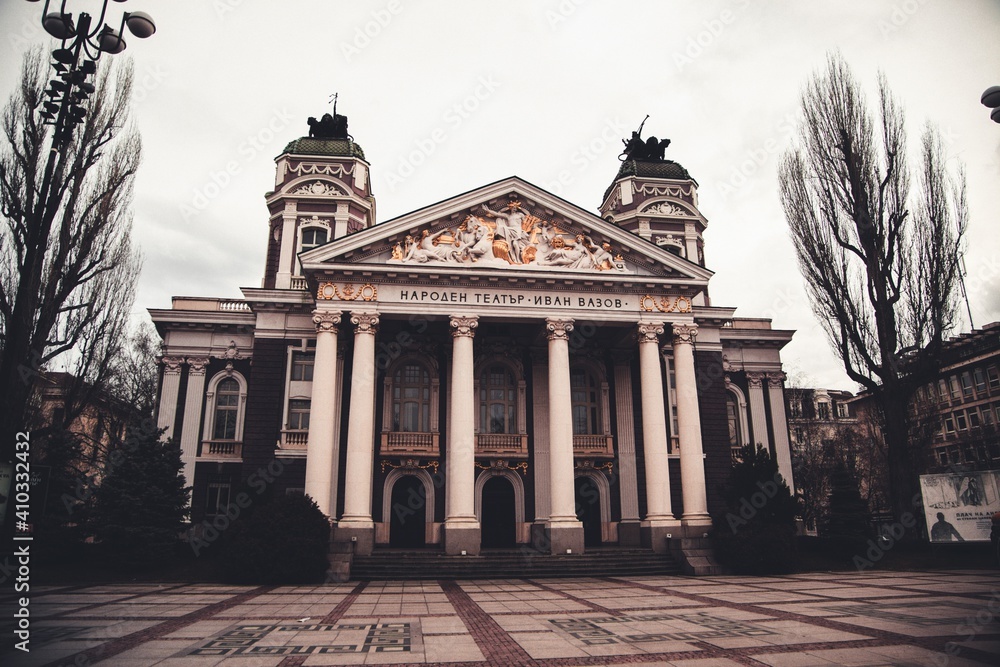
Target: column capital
558, 329
650, 332
196, 365
776, 379
685, 333
365, 322
326, 320
172, 365
755, 379
462, 325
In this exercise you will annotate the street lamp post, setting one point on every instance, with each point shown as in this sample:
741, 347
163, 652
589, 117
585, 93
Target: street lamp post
991, 98
83, 42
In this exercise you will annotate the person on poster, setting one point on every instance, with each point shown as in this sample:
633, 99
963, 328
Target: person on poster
970, 492
942, 531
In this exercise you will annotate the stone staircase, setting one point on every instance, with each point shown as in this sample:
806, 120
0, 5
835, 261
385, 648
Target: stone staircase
510, 563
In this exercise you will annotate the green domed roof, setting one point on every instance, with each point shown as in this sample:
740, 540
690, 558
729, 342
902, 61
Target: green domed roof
649, 169
337, 147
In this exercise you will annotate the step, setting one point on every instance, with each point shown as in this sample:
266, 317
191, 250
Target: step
427, 564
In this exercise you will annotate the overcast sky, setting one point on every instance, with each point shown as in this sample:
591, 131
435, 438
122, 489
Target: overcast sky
543, 90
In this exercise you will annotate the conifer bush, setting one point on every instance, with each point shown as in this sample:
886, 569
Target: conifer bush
755, 533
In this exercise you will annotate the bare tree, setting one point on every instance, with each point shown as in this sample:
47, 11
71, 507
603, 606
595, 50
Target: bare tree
67, 263
880, 264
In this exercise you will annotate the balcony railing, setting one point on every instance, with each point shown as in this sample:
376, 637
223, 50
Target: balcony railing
297, 439
222, 449
406, 443
511, 445
735, 454
593, 445
299, 283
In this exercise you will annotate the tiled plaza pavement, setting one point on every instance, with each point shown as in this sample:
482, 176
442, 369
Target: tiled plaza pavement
886, 618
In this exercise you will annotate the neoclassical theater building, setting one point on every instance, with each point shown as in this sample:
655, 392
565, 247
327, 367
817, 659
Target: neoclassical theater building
497, 369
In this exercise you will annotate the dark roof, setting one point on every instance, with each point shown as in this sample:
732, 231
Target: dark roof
665, 169
310, 146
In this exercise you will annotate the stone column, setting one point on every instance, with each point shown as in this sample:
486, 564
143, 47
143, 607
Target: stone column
628, 527
357, 524
322, 453
689, 428
194, 398
286, 256
659, 521
169, 390
565, 531
782, 450
461, 528
758, 417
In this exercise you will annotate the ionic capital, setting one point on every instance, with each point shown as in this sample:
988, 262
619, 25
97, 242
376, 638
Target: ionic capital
365, 323
463, 326
558, 329
684, 334
326, 320
650, 332
196, 365
172, 365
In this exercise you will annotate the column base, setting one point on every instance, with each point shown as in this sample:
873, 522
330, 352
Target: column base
629, 534
694, 523
459, 537
565, 537
654, 534
361, 533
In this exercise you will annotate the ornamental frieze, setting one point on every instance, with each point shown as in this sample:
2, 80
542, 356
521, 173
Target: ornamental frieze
510, 237
664, 304
328, 291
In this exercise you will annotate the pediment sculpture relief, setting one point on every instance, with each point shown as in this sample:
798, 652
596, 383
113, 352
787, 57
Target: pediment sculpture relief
512, 236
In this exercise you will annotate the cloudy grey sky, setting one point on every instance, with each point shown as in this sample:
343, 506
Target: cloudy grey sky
540, 89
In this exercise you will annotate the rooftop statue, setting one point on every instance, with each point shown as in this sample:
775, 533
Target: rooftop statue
650, 150
330, 126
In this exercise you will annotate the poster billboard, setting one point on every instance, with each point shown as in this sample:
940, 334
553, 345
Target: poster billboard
959, 506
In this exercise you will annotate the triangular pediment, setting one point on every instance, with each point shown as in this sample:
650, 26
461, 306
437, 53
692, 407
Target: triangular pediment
509, 226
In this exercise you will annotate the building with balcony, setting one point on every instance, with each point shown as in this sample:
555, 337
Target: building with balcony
496, 369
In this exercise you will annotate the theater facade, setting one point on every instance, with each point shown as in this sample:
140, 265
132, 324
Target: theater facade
497, 369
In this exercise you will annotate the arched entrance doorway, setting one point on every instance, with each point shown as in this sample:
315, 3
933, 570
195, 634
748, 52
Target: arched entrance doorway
498, 514
408, 514
588, 510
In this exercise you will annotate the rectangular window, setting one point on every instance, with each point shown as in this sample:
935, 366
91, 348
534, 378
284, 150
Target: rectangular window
298, 415
943, 456
960, 420
842, 410
973, 418
987, 415
967, 385
980, 377
823, 410
218, 498
942, 390
302, 366
949, 424
956, 390
994, 377
795, 407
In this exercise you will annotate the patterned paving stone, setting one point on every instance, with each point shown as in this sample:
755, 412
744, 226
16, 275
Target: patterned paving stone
865, 619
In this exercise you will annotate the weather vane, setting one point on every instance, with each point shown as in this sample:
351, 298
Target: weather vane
333, 97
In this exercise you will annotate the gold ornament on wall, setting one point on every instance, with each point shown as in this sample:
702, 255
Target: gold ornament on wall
681, 304
328, 291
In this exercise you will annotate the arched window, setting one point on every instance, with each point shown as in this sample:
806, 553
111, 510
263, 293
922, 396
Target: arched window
227, 405
585, 391
497, 400
732, 413
411, 399
312, 237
